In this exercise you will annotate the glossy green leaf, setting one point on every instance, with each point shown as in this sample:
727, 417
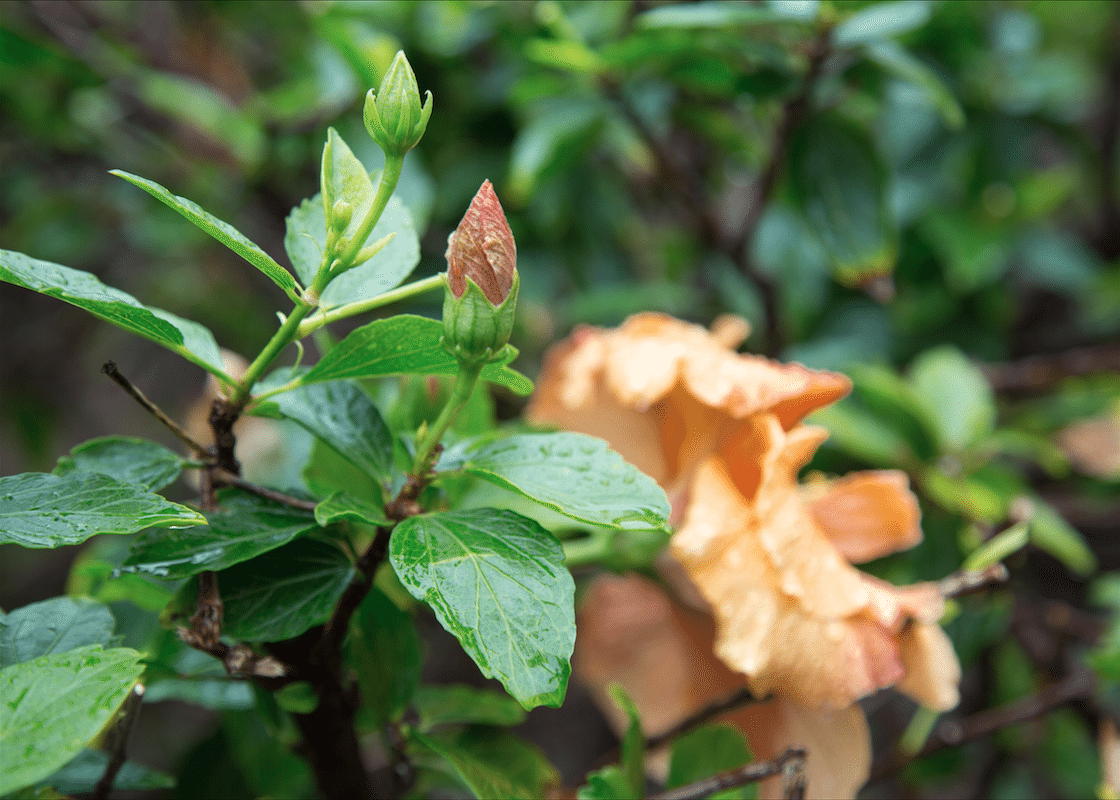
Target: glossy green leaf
222, 231
343, 415
327, 473
707, 751
1050, 532
577, 475
344, 506
306, 237
955, 395
53, 626
52, 706
493, 763
384, 648
81, 774
284, 592
244, 527
881, 20
38, 510
82, 289
840, 189
899, 62
496, 580
403, 345
463, 705
136, 461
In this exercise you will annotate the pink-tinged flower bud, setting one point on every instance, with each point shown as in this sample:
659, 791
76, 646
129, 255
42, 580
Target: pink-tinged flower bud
478, 306
482, 249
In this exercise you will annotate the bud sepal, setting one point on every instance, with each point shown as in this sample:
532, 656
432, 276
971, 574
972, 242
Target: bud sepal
475, 331
393, 115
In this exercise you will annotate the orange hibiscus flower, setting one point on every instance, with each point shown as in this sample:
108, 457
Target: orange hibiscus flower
768, 561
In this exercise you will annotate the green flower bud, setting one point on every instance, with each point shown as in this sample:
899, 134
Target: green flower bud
393, 115
481, 281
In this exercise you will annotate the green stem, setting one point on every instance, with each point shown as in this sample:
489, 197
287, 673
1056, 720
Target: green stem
278, 342
389, 177
460, 395
588, 551
290, 330
313, 323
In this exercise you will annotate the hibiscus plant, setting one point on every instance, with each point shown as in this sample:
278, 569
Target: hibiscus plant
344, 509
305, 595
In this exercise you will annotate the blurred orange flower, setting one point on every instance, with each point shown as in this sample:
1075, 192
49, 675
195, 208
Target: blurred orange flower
769, 561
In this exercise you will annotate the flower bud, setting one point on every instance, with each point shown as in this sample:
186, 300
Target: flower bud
393, 115
482, 281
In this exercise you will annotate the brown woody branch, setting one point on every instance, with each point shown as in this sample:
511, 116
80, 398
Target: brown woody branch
118, 741
791, 764
965, 582
110, 368
1038, 372
740, 698
953, 733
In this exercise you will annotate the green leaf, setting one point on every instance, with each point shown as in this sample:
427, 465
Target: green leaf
707, 751
38, 510
881, 20
403, 345
998, 548
53, 626
327, 473
344, 506
222, 231
82, 289
284, 592
298, 698
52, 706
903, 65
710, 15
210, 692
244, 527
840, 189
955, 395
384, 648
577, 475
633, 743
496, 580
493, 763
861, 433
1050, 532
608, 783
559, 132
81, 774
342, 415
306, 240
136, 461
459, 705
896, 405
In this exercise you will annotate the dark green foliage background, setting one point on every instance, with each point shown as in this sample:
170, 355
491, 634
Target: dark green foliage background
626, 149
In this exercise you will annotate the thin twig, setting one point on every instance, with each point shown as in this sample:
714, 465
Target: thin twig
790, 762
740, 698
228, 478
965, 582
952, 733
1038, 372
118, 741
110, 369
